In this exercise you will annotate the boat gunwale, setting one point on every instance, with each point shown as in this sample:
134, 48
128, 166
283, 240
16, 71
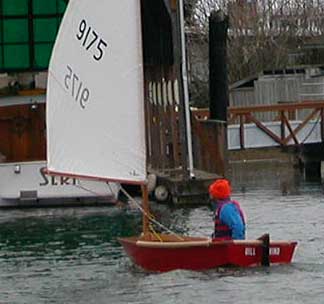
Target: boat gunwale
200, 242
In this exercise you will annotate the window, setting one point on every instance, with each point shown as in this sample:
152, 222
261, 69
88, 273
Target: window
27, 33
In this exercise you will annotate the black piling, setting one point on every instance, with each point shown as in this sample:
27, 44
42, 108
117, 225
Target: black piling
218, 80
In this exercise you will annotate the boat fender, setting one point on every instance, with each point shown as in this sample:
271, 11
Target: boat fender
161, 193
151, 182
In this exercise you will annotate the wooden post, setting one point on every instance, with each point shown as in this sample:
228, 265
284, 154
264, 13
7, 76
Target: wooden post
322, 124
146, 210
242, 132
282, 124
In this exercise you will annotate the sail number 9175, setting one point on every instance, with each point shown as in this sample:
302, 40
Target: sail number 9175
90, 39
75, 86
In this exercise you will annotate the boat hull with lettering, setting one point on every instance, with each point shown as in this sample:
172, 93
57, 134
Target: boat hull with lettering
23, 182
26, 184
191, 253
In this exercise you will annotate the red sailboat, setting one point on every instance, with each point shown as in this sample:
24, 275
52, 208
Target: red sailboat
169, 253
96, 130
166, 252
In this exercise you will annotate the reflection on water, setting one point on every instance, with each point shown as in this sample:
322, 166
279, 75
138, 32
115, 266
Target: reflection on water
72, 255
266, 174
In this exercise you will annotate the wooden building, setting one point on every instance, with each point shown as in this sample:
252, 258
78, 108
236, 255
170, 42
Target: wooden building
278, 87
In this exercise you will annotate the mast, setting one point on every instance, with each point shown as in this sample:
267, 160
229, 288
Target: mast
144, 186
146, 221
185, 89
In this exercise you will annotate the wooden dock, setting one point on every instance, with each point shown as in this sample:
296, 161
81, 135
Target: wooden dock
172, 186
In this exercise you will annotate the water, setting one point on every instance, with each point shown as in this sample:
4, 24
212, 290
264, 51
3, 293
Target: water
72, 255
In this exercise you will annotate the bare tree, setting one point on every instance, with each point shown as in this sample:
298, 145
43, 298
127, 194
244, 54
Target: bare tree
263, 34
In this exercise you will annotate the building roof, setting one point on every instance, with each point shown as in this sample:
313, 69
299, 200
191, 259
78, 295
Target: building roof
244, 83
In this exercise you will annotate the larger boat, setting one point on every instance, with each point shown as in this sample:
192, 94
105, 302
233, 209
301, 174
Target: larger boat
23, 182
96, 130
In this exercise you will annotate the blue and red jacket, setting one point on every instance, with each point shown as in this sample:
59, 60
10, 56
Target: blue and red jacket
229, 220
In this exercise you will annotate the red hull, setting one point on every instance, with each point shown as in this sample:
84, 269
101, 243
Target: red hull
200, 254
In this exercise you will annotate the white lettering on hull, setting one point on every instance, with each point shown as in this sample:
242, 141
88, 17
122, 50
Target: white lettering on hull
251, 251
274, 251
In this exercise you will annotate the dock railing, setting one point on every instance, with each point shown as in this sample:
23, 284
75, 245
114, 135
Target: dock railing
292, 117
293, 123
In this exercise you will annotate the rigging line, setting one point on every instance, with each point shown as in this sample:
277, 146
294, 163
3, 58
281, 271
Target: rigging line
91, 191
155, 233
149, 216
110, 188
312, 129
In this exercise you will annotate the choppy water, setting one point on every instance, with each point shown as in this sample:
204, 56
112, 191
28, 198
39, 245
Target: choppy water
72, 256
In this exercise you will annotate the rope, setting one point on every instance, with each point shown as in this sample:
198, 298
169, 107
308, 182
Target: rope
79, 185
155, 233
138, 205
109, 186
149, 216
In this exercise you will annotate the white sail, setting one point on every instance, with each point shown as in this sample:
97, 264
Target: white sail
95, 106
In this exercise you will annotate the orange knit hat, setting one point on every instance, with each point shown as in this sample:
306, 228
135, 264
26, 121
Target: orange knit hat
220, 189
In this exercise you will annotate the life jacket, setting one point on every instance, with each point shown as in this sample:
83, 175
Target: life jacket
222, 231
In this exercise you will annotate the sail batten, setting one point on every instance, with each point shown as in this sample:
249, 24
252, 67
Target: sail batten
95, 94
